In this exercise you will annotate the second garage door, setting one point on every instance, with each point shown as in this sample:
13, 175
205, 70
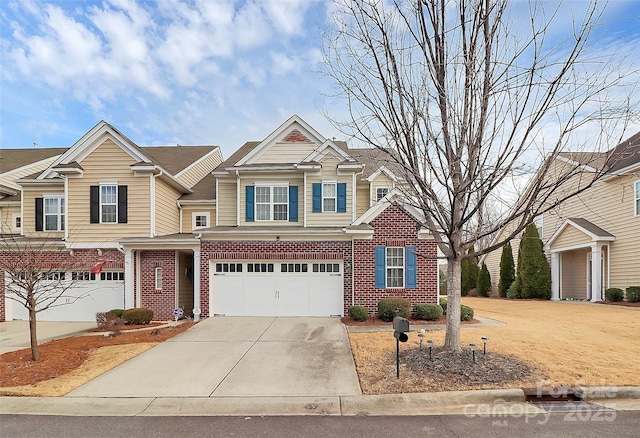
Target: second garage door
276, 288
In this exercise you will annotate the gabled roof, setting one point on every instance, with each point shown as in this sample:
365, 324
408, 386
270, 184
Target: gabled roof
175, 159
11, 159
328, 147
394, 197
590, 229
626, 155
204, 190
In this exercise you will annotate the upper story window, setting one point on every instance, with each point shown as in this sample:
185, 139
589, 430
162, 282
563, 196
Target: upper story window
53, 214
381, 192
272, 203
637, 197
200, 220
17, 222
329, 196
108, 204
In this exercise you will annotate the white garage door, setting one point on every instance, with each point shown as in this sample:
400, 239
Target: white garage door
100, 293
276, 288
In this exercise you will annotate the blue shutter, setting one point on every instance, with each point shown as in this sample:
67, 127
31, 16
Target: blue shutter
342, 197
249, 217
410, 267
316, 192
293, 203
381, 264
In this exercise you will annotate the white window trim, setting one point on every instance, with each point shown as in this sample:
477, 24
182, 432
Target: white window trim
636, 197
386, 267
14, 218
194, 216
158, 279
101, 204
271, 203
335, 197
61, 213
378, 197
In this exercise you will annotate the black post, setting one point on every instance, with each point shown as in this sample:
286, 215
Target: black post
397, 358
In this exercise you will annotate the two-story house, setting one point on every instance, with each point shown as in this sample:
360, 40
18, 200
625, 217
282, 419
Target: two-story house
593, 239
295, 224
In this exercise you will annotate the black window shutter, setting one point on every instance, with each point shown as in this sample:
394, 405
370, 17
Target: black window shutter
39, 214
122, 204
94, 204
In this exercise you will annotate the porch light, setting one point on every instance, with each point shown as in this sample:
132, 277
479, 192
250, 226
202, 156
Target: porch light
484, 341
473, 351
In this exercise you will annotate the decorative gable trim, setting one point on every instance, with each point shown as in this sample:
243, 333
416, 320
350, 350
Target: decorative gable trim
90, 142
386, 171
329, 147
285, 129
601, 236
396, 197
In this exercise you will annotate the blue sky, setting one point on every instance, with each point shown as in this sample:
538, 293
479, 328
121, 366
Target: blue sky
178, 71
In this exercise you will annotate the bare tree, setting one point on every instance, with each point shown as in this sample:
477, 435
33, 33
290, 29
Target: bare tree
37, 273
478, 103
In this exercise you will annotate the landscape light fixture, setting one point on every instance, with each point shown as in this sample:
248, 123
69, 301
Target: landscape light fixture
484, 348
421, 335
473, 351
430, 342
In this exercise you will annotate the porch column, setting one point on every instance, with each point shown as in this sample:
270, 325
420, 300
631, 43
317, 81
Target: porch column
128, 279
596, 272
555, 276
197, 308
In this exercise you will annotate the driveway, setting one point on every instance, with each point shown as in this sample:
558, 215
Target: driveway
239, 357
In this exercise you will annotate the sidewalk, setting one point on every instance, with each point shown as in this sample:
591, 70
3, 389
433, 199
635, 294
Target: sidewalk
494, 403
483, 322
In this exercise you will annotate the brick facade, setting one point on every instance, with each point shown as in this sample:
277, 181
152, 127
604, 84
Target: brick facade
162, 301
394, 227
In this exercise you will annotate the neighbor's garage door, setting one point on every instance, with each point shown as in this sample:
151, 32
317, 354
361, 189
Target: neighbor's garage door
276, 288
99, 293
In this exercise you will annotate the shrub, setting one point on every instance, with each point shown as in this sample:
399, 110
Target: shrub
443, 304
533, 274
469, 272
117, 312
429, 312
484, 282
514, 291
633, 294
507, 270
358, 313
387, 308
139, 316
613, 294
466, 313
109, 321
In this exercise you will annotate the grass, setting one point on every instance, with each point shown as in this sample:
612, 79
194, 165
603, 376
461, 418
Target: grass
569, 343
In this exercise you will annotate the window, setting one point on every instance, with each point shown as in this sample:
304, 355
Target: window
108, 204
329, 197
538, 222
54, 214
200, 220
326, 267
228, 267
381, 192
293, 267
83, 276
17, 220
56, 276
637, 198
112, 276
158, 278
272, 203
259, 267
395, 267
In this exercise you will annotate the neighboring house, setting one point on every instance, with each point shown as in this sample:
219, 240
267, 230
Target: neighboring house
592, 239
296, 224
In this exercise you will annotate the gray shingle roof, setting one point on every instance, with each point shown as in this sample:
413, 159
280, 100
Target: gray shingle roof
11, 159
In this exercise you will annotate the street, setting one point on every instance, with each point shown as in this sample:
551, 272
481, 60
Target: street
605, 424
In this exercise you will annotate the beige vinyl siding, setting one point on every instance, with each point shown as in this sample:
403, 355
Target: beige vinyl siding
329, 173
381, 181
227, 203
8, 179
29, 196
7, 222
167, 214
492, 260
189, 210
362, 198
108, 163
286, 152
292, 180
569, 237
198, 171
574, 274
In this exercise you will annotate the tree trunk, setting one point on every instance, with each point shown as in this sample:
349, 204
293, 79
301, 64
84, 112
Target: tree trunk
35, 352
454, 288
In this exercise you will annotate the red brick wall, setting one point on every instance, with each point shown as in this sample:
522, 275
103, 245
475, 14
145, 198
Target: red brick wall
162, 302
394, 227
271, 250
82, 259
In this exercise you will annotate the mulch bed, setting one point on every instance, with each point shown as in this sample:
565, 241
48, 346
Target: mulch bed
372, 321
619, 303
61, 356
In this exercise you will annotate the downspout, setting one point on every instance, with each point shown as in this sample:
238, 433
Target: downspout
66, 210
237, 198
353, 283
197, 296
180, 213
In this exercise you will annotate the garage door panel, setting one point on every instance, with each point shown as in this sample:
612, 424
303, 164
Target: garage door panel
293, 296
259, 294
326, 294
229, 297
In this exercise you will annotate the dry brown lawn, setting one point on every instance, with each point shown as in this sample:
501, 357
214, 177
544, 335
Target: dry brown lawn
569, 343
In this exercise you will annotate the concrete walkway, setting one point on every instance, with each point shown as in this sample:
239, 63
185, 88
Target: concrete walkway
14, 335
483, 322
239, 357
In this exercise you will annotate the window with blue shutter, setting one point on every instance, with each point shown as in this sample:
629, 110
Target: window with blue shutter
411, 267
342, 197
249, 210
293, 203
316, 195
380, 267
